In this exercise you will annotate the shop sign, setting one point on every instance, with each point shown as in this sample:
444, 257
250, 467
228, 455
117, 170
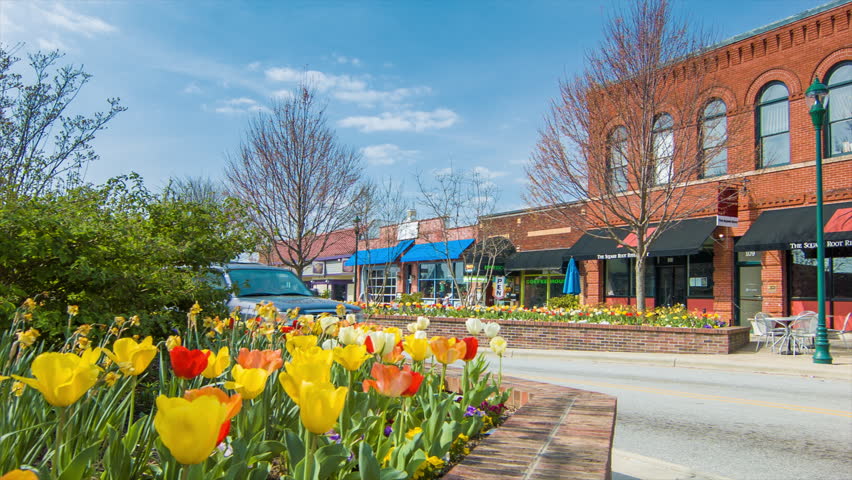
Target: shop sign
499, 287
727, 208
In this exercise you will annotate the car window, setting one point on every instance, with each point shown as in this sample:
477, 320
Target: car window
251, 282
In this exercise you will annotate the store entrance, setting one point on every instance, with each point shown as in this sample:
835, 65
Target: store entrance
671, 285
749, 297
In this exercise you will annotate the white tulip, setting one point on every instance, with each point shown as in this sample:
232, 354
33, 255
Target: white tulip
420, 334
383, 342
329, 344
474, 326
348, 336
498, 345
351, 318
492, 329
411, 327
327, 323
422, 323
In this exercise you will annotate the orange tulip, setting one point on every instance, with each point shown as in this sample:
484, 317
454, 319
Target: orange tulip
233, 402
390, 381
269, 360
447, 350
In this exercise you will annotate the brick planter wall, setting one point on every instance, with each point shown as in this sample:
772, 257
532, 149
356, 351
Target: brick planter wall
556, 432
594, 337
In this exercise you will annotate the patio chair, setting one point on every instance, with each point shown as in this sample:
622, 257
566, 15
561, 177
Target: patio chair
846, 328
766, 331
803, 331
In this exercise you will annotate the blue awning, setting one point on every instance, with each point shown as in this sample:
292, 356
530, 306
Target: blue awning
379, 256
426, 252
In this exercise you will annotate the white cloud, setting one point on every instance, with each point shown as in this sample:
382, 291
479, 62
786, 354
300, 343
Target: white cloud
253, 66
407, 121
62, 17
373, 97
386, 154
239, 105
350, 60
51, 44
192, 88
487, 173
319, 80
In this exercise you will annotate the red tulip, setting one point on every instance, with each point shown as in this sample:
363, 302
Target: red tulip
416, 380
472, 345
390, 381
188, 363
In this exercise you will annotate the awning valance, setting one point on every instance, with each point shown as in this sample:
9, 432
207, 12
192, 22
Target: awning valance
790, 228
428, 252
684, 238
378, 256
536, 260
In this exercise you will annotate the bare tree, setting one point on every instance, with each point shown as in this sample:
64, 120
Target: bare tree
459, 198
299, 179
625, 139
194, 189
42, 147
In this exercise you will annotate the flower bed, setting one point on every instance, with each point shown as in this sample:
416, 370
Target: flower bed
241, 398
676, 316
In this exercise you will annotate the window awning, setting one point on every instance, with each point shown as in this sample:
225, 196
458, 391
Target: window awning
378, 256
790, 228
428, 252
684, 238
536, 260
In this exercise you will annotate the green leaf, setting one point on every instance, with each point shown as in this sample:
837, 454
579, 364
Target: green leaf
368, 466
329, 458
76, 469
295, 447
392, 474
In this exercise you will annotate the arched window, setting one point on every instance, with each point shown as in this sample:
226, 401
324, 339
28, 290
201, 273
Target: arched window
773, 125
663, 141
714, 136
617, 167
839, 131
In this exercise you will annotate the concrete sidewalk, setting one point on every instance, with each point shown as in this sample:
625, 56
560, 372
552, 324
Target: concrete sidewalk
743, 360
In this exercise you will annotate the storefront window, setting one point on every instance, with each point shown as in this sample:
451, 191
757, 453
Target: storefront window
803, 275
436, 281
538, 289
620, 279
381, 283
700, 276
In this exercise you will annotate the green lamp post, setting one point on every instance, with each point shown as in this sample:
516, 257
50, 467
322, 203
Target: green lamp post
357, 234
817, 94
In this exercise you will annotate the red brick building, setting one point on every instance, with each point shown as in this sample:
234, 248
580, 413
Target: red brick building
767, 262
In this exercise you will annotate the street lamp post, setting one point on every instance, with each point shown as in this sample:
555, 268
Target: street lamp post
357, 234
818, 94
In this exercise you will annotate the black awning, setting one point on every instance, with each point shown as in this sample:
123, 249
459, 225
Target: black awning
791, 228
536, 260
685, 238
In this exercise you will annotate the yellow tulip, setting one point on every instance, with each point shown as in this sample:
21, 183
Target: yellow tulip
351, 356
248, 382
132, 358
447, 350
91, 355
498, 345
20, 475
62, 378
313, 365
397, 334
321, 405
217, 364
190, 429
172, 342
4, 377
418, 348
296, 342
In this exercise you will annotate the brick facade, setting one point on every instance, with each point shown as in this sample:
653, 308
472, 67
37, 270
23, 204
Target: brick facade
793, 53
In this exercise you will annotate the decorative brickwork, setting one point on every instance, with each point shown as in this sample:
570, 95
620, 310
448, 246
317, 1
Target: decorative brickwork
556, 432
593, 337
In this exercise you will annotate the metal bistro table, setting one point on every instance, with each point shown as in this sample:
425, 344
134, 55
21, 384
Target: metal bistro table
788, 333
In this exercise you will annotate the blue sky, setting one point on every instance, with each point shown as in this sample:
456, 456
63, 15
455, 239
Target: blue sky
416, 86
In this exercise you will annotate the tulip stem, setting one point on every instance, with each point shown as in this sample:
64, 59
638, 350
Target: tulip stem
443, 375
500, 375
132, 403
184, 472
60, 427
309, 452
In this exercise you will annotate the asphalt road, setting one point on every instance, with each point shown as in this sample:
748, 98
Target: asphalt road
736, 425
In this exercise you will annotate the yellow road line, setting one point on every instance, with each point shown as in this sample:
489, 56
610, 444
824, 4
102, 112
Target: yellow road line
699, 396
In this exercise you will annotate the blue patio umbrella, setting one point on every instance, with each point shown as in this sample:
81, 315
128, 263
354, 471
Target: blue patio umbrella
572, 279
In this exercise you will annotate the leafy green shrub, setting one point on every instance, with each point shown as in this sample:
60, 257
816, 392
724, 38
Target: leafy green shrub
567, 302
416, 297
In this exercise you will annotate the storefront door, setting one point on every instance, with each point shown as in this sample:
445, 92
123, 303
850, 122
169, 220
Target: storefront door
671, 285
749, 299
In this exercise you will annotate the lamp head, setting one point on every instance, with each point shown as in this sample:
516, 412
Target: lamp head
817, 93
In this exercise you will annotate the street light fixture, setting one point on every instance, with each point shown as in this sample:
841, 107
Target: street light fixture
817, 95
357, 234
